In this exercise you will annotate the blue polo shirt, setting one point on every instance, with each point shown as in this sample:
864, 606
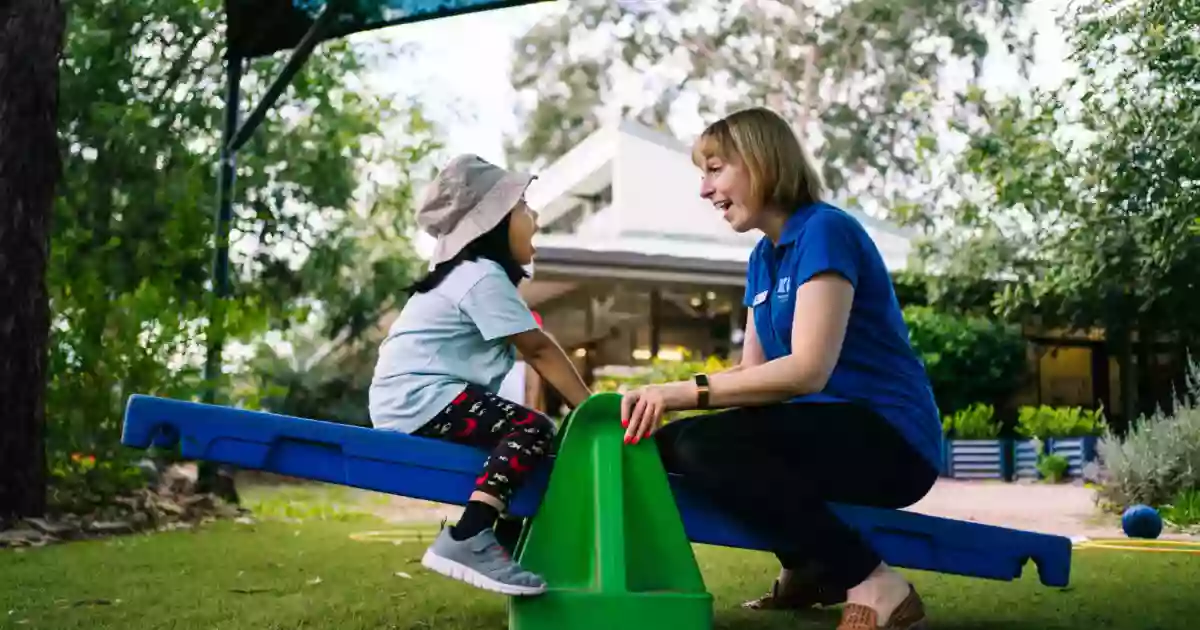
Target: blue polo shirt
877, 367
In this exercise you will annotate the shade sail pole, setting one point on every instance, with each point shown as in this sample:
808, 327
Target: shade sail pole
234, 136
316, 33
210, 478
227, 163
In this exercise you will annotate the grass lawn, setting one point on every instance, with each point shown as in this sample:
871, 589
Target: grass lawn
313, 574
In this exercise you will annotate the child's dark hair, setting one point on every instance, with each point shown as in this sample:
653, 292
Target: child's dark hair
492, 245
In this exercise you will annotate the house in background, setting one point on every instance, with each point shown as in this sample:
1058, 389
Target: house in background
633, 264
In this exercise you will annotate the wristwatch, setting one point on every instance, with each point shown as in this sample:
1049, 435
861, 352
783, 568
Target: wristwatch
701, 390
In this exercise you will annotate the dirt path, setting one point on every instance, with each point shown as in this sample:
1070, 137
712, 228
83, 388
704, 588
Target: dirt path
1067, 510
406, 510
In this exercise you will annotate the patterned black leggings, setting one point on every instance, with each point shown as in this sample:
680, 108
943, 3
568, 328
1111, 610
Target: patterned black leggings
518, 438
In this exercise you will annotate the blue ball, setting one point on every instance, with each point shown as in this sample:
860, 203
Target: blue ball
1141, 521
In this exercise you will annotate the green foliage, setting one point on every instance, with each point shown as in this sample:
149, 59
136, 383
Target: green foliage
863, 73
81, 483
93, 371
959, 295
660, 371
968, 359
1184, 509
142, 95
1160, 455
975, 422
912, 289
313, 378
1045, 422
1053, 467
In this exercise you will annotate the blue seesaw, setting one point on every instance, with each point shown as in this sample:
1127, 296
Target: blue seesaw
424, 468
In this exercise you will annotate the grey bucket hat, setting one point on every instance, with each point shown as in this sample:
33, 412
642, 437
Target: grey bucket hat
467, 198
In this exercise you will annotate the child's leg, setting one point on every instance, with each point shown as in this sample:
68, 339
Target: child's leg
517, 439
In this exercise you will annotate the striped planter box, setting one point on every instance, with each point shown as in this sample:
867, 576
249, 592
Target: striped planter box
1025, 459
977, 459
1078, 451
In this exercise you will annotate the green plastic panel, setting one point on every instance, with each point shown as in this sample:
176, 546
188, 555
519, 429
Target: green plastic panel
608, 537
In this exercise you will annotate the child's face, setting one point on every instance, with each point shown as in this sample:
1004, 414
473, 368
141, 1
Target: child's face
521, 228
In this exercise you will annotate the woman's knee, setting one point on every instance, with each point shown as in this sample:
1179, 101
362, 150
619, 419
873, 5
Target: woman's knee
685, 450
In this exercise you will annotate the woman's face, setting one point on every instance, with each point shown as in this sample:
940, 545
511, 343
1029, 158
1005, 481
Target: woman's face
726, 184
521, 228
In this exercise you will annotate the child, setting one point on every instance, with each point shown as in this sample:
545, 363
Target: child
442, 363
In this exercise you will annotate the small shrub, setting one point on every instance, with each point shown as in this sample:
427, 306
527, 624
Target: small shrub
1184, 510
976, 422
1053, 467
1045, 421
968, 359
1159, 457
80, 483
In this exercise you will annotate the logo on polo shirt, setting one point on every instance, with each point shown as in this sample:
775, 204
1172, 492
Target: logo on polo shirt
785, 286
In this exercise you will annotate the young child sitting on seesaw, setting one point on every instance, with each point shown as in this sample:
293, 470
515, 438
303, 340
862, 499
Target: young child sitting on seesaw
444, 358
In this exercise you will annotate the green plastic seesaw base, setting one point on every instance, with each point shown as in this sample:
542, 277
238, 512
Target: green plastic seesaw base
608, 538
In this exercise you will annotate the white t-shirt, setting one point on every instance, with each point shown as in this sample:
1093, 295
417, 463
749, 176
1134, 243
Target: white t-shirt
444, 339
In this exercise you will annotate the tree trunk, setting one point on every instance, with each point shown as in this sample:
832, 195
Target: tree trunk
31, 34
1147, 398
1128, 376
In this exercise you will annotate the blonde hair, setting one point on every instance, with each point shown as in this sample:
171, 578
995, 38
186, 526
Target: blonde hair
781, 172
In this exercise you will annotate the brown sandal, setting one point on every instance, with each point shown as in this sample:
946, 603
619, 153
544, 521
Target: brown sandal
909, 615
797, 598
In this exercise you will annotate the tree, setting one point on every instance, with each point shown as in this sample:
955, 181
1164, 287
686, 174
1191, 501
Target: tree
968, 359
853, 68
143, 96
30, 43
1078, 193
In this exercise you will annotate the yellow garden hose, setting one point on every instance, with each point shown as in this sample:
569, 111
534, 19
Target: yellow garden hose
1137, 544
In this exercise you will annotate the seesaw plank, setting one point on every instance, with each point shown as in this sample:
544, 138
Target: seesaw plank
428, 469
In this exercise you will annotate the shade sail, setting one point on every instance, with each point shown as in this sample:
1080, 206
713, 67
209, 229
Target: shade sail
263, 27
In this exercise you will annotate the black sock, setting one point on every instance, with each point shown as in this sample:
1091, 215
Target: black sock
477, 517
508, 532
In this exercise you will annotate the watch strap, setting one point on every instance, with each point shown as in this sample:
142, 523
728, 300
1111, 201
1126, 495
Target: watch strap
701, 390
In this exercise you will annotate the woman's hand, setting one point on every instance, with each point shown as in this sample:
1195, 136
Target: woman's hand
641, 412
642, 409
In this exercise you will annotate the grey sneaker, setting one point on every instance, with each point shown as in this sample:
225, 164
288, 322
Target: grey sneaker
480, 561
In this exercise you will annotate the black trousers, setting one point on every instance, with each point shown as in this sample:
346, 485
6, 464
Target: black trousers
775, 467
